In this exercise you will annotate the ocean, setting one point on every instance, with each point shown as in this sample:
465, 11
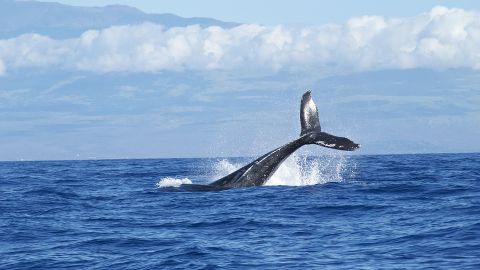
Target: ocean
325, 212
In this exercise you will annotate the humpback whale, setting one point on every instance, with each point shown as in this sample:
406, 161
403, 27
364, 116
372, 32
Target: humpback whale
260, 170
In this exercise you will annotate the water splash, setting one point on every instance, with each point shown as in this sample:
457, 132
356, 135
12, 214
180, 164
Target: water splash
224, 167
172, 182
296, 170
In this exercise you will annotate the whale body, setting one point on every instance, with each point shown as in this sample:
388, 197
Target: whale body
257, 172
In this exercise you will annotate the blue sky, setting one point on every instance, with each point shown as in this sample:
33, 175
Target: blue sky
406, 80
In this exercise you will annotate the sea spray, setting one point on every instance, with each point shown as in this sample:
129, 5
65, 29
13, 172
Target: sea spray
223, 167
294, 171
297, 170
172, 182
303, 170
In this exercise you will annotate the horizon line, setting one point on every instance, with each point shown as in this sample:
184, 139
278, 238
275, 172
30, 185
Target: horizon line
233, 157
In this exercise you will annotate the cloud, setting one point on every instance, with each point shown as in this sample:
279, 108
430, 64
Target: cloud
439, 39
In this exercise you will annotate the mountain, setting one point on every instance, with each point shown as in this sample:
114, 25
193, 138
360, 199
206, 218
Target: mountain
64, 21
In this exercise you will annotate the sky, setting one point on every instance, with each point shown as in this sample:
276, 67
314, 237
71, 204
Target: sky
405, 80
272, 12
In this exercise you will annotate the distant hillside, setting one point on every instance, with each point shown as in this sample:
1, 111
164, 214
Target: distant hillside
64, 21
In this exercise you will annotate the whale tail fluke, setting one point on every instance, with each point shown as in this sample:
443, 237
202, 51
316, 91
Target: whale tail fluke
309, 115
312, 131
330, 141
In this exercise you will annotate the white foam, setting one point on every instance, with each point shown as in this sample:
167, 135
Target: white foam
172, 182
296, 170
303, 171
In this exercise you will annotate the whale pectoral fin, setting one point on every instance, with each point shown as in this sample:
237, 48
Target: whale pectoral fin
340, 143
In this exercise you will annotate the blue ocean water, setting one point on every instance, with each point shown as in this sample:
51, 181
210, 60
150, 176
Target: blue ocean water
349, 212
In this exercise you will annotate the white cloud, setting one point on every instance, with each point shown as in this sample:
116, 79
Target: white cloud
441, 38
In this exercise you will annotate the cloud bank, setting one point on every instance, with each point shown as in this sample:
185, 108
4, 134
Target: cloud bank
439, 39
